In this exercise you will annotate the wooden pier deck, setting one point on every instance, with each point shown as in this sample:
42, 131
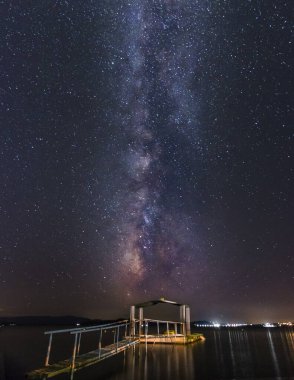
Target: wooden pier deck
82, 361
171, 339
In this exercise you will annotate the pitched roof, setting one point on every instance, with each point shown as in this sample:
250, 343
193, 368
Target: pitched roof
155, 302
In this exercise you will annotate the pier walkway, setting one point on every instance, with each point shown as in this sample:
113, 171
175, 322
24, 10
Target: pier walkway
121, 342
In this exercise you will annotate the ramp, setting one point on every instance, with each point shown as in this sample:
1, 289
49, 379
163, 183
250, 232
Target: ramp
82, 361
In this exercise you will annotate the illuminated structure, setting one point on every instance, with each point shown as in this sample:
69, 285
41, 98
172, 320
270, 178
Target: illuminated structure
181, 330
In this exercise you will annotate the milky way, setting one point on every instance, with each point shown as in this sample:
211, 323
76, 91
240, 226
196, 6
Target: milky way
157, 101
146, 150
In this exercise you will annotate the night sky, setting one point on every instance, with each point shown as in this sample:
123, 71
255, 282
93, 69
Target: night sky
146, 150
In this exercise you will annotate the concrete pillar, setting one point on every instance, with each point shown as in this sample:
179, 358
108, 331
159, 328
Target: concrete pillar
132, 320
141, 318
183, 318
188, 321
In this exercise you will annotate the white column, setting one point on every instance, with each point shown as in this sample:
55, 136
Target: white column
132, 320
188, 320
141, 318
183, 318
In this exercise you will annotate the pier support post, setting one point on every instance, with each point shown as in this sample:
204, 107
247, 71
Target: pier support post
183, 318
141, 318
73, 360
188, 320
132, 321
48, 351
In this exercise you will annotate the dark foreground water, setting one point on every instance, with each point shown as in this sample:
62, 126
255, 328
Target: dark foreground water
226, 354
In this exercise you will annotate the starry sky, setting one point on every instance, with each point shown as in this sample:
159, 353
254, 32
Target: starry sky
146, 150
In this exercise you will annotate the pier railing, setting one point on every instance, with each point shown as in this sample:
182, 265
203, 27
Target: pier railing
116, 337
178, 327
122, 329
118, 329
160, 328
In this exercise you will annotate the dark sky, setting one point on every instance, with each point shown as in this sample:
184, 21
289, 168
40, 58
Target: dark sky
146, 150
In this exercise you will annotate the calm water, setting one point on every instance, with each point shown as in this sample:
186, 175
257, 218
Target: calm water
226, 354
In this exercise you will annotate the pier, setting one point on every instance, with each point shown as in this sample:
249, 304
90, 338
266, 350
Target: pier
114, 338
163, 332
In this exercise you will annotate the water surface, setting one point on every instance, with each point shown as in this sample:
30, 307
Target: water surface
225, 354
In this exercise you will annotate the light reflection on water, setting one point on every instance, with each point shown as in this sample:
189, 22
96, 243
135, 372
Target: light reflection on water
226, 354
274, 355
157, 362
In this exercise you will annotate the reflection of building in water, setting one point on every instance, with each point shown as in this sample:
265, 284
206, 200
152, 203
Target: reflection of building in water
160, 362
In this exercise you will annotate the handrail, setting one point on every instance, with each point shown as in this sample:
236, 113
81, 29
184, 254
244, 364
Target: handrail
101, 327
83, 328
160, 321
78, 331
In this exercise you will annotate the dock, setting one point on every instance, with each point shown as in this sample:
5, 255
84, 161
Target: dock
122, 335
